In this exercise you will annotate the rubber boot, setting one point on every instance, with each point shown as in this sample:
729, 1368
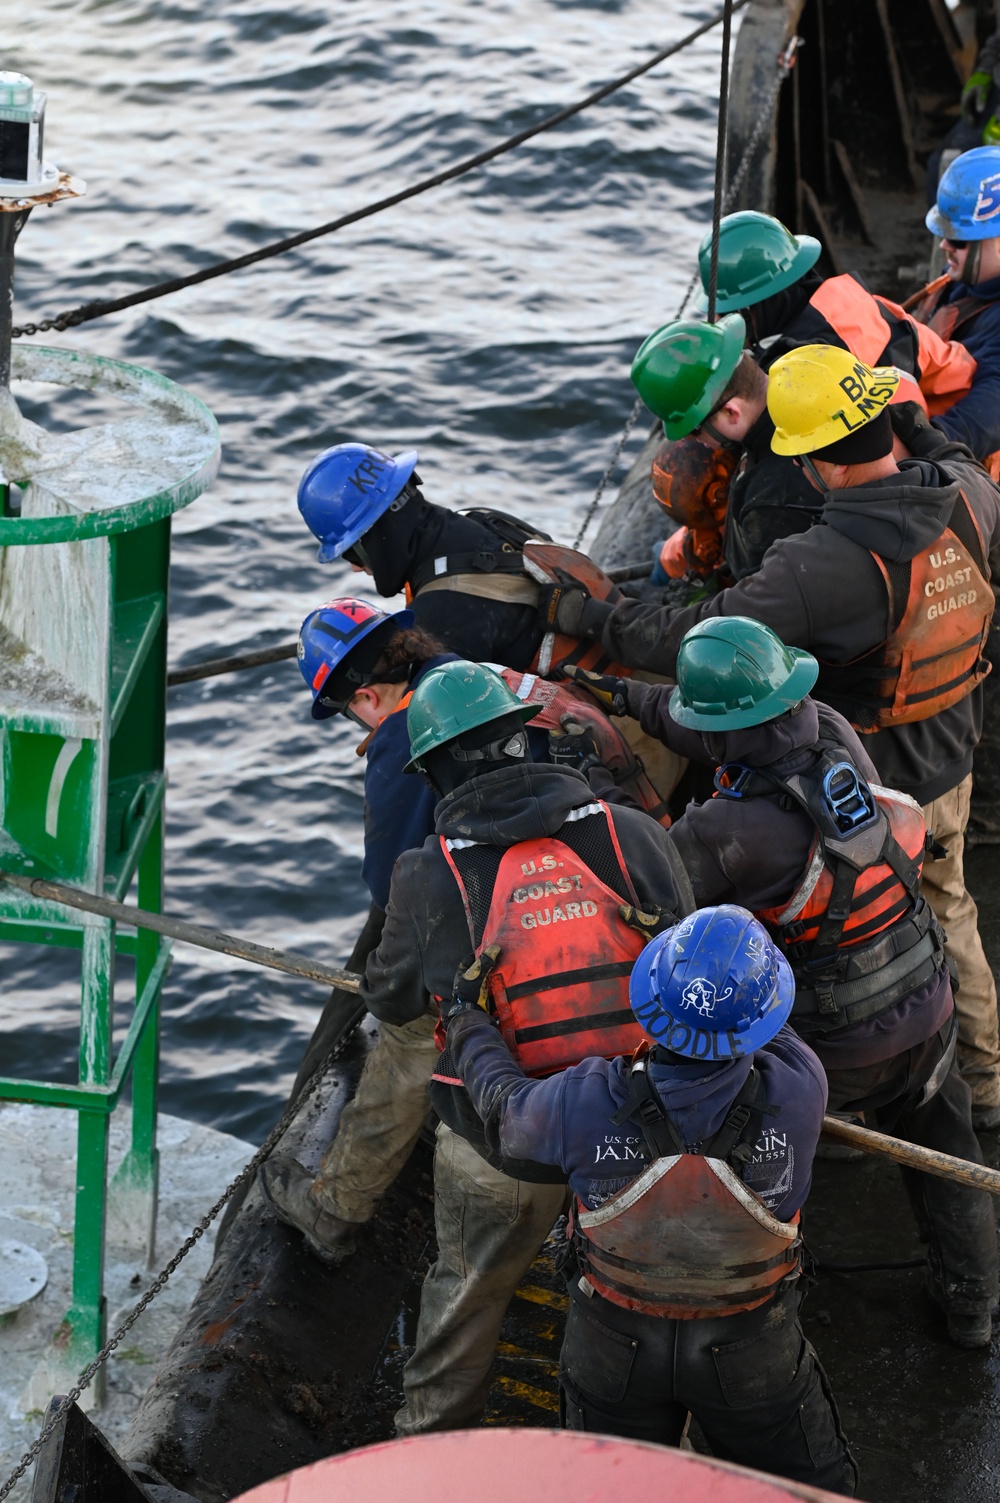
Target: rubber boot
287, 1188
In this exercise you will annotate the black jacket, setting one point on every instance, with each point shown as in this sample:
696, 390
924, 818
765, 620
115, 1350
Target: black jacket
400, 543
823, 591
769, 498
426, 933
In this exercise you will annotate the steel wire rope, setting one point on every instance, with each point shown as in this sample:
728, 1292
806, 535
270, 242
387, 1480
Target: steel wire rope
786, 61
90, 311
348, 1031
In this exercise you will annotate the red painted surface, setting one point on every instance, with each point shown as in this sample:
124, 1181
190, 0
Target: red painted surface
524, 1466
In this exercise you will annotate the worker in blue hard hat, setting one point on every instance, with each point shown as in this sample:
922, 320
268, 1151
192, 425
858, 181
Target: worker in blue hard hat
368, 508
363, 663
689, 1162
964, 303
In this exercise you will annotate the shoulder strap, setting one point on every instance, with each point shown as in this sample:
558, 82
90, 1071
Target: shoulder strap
964, 525
732, 1142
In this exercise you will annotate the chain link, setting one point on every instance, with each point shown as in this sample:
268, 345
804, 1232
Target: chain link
786, 62
245, 1174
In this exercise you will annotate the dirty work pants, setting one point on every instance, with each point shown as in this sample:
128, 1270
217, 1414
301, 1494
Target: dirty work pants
943, 885
752, 1381
489, 1229
379, 1127
955, 1221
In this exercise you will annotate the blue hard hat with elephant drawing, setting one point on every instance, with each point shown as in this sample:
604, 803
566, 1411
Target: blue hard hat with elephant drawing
715, 986
346, 489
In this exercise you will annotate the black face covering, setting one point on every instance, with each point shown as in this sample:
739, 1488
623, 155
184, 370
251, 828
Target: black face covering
773, 314
485, 749
390, 544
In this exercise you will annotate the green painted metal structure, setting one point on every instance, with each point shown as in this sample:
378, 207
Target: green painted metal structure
85, 522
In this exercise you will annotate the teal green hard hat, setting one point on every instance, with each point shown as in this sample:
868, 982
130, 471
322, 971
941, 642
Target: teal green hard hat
758, 257
681, 371
734, 672
455, 698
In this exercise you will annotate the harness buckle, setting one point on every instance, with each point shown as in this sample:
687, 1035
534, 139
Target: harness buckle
732, 779
485, 561
825, 1001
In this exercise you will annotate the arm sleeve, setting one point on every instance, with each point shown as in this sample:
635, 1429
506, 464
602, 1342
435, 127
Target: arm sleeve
644, 636
393, 986
523, 1117
975, 420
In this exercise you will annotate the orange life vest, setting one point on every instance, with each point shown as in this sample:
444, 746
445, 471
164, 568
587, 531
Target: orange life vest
687, 1238
856, 931
933, 657
560, 701
559, 989
881, 332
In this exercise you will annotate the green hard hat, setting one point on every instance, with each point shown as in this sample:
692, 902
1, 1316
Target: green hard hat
733, 672
681, 371
453, 699
758, 257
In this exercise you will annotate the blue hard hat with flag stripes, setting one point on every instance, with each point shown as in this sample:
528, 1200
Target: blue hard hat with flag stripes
346, 489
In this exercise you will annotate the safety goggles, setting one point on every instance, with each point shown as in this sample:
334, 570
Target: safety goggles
357, 555
955, 244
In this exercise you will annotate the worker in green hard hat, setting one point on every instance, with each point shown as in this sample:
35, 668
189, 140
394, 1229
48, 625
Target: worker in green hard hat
557, 894
712, 397
800, 833
770, 276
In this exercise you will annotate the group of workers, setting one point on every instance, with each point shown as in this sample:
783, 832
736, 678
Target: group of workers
629, 986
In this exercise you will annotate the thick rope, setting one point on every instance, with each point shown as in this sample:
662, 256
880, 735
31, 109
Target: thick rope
720, 160
116, 305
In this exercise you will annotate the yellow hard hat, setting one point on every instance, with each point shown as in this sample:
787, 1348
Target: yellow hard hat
819, 393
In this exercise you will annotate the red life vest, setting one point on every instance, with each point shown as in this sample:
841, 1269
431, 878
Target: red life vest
687, 1238
558, 701
559, 989
933, 656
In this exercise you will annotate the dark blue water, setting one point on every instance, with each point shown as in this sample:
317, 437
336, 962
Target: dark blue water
489, 324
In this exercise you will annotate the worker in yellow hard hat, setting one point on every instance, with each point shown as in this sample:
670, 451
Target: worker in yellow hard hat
891, 593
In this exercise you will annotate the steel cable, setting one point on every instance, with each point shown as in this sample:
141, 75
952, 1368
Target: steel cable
221, 268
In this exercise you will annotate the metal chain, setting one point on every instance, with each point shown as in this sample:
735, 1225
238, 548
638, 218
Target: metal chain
245, 1174
786, 62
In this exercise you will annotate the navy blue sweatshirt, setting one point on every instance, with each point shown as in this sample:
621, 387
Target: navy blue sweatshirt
566, 1119
975, 420
399, 807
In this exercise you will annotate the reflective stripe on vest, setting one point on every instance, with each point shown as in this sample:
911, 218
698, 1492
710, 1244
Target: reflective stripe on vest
557, 700
559, 989
934, 657
686, 1239
879, 899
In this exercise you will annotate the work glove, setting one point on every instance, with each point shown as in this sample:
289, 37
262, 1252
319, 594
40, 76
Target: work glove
975, 95
568, 607
470, 989
573, 746
611, 693
912, 426
649, 923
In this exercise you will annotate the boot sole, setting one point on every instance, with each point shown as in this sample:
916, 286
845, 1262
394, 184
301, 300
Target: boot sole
324, 1254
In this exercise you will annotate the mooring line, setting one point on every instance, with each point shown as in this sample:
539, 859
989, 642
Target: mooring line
90, 311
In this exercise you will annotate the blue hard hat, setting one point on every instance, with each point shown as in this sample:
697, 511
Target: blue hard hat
968, 197
329, 636
715, 986
346, 489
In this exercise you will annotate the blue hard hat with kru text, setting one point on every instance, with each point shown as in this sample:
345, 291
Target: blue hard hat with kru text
346, 489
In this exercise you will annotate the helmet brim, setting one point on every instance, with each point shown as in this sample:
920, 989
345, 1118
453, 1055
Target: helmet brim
803, 676
526, 712
808, 253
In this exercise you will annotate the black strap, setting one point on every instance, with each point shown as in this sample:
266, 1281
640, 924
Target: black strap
733, 1141
481, 561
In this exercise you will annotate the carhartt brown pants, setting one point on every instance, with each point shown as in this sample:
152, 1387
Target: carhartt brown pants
943, 885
